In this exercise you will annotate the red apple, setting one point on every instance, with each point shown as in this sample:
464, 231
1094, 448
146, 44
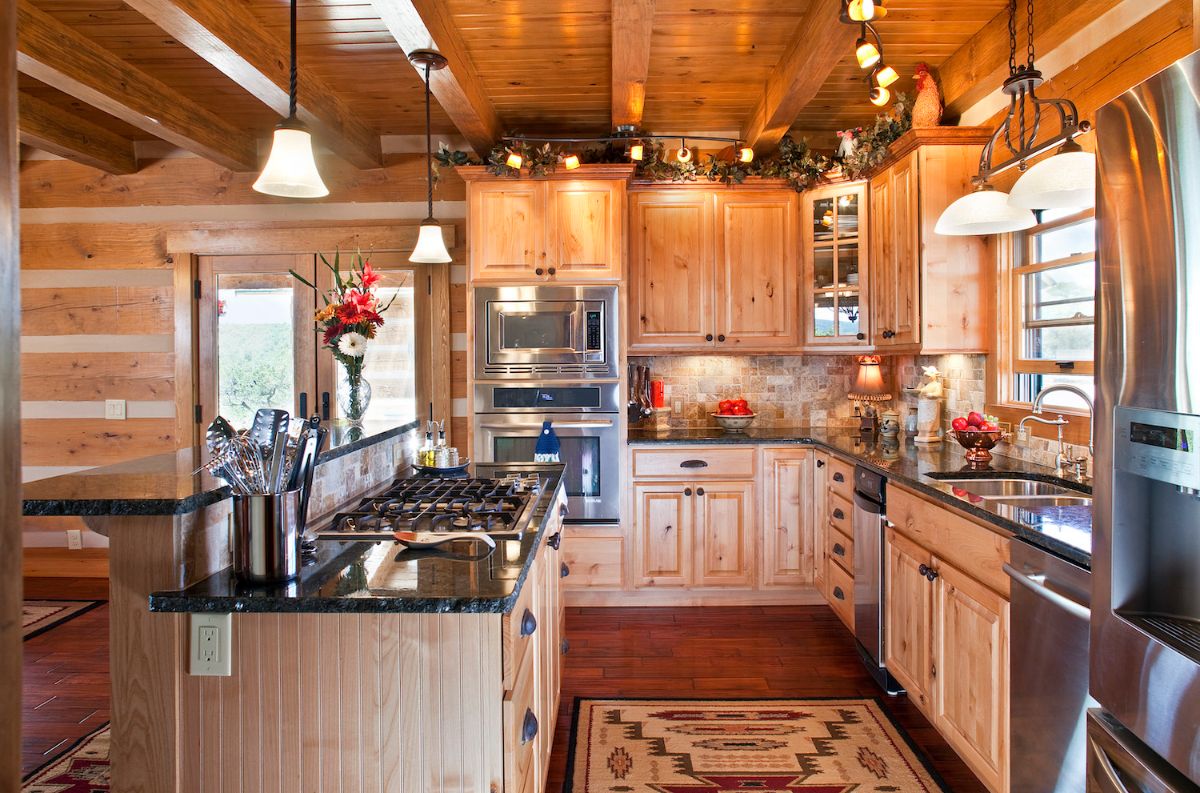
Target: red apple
975, 419
959, 423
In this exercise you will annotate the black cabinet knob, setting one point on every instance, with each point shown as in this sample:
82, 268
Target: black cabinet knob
687, 491
528, 623
923, 569
529, 727
708, 337
555, 541
838, 593
552, 271
931, 574
839, 549
699, 491
839, 515
820, 463
563, 570
564, 647
838, 477
721, 337
539, 271
860, 336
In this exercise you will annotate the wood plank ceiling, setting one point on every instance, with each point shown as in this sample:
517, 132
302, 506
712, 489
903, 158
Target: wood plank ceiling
527, 65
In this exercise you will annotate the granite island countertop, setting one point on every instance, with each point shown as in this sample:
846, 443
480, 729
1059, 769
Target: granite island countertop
375, 577
166, 484
1065, 531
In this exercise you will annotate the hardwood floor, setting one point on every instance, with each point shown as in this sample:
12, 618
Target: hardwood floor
694, 653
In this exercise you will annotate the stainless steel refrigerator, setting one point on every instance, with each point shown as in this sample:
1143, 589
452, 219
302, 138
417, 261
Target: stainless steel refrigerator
1145, 642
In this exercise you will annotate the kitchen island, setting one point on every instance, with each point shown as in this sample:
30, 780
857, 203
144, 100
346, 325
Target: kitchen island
167, 529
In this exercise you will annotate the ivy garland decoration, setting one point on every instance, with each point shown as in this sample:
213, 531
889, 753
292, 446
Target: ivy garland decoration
795, 161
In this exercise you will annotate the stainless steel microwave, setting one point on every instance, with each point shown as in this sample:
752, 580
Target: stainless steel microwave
567, 332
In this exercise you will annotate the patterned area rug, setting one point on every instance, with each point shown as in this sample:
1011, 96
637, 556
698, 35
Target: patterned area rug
721, 746
82, 769
39, 616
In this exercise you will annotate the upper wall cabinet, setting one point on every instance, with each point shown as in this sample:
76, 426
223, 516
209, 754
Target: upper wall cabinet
569, 227
835, 266
929, 292
713, 269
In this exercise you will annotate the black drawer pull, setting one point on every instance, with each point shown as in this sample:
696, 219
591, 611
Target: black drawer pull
552, 271
564, 647
539, 271
529, 727
838, 514
555, 541
562, 510
693, 464
528, 623
923, 569
721, 337
708, 337
564, 571
839, 549
838, 593
860, 336
820, 463
838, 477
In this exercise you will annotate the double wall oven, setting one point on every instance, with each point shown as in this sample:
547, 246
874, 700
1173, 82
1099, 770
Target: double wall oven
549, 353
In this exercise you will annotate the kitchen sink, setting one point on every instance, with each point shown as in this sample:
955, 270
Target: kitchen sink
1035, 502
1009, 488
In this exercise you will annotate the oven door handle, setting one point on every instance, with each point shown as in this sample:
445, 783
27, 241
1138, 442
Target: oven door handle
1037, 585
563, 425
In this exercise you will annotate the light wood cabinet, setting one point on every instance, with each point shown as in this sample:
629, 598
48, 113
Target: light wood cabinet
908, 618
713, 269
835, 274
569, 227
724, 543
664, 516
820, 520
928, 291
788, 547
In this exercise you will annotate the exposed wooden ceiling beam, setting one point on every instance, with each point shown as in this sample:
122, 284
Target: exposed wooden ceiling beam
427, 24
232, 39
818, 45
632, 26
56, 55
980, 66
50, 128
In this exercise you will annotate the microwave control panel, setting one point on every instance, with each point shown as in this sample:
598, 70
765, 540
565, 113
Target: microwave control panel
1158, 445
595, 338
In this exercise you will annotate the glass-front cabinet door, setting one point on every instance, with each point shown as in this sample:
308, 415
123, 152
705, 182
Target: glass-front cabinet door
835, 265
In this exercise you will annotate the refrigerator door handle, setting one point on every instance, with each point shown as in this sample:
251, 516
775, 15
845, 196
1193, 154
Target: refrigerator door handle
1037, 585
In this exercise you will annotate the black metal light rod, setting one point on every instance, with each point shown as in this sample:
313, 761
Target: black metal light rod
1041, 148
615, 138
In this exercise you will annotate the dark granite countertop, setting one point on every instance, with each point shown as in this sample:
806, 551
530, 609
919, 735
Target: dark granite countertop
1065, 531
164, 484
373, 577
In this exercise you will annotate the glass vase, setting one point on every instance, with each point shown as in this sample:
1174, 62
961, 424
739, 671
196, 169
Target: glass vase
354, 395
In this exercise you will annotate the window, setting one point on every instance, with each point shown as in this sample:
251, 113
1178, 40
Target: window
1050, 290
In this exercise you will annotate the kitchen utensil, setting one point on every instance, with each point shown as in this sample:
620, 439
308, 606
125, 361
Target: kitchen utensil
734, 423
429, 539
315, 442
266, 531
220, 433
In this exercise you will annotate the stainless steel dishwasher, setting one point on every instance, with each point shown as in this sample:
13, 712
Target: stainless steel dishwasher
869, 584
1048, 671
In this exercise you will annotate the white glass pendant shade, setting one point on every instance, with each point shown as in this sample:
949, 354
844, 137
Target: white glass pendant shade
985, 211
1066, 180
431, 246
291, 171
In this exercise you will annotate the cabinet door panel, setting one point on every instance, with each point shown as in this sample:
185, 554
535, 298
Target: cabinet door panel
820, 519
908, 616
787, 552
905, 319
507, 230
971, 646
757, 272
723, 534
671, 283
883, 253
836, 284
585, 220
664, 534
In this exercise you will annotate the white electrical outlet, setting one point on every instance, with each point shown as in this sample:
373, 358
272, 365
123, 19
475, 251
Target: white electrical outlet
74, 539
677, 406
114, 409
211, 645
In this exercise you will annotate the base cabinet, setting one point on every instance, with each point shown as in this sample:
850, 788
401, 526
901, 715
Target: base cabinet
788, 544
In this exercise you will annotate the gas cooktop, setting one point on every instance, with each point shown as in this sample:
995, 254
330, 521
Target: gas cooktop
501, 508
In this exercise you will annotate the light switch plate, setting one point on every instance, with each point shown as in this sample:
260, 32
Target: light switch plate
74, 540
211, 645
114, 409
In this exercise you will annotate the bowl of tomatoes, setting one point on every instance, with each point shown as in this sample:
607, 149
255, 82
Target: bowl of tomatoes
734, 415
978, 434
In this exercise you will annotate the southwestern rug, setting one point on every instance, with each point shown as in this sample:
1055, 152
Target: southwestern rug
721, 746
81, 769
39, 616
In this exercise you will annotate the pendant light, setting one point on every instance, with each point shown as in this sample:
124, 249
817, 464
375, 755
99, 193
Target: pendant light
431, 246
1065, 180
291, 170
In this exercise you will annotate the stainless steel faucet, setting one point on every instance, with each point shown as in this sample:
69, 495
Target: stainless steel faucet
1077, 466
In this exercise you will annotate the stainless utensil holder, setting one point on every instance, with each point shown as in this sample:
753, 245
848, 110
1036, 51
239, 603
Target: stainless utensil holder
266, 536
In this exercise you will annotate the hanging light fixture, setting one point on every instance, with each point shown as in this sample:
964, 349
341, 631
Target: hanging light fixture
684, 154
865, 52
431, 245
879, 95
291, 170
1064, 180
571, 161
885, 75
745, 154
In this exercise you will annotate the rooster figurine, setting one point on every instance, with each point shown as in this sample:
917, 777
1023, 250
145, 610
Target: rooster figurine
927, 108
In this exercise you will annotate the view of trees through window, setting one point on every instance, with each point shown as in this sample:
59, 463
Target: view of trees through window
255, 351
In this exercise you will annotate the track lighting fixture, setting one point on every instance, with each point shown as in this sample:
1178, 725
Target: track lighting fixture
635, 145
866, 52
684, 154
885, 75
571, 161
880, 96
745, 154
514, 160
636, 152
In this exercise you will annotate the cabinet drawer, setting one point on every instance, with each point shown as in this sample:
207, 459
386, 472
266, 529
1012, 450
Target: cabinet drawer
840, 516
841, 594
841, 477
520, 728
686, 464
593, 562
841, 550
520, 627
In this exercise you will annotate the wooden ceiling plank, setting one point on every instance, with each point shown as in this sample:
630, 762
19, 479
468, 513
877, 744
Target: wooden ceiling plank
233, 40
632, 27
980, 66
426, 24
818, 46
50, 128
56, 55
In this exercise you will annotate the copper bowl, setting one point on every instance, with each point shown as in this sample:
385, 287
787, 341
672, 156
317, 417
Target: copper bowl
978, 444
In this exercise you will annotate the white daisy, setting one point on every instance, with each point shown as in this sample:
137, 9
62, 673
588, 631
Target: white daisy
353, 345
